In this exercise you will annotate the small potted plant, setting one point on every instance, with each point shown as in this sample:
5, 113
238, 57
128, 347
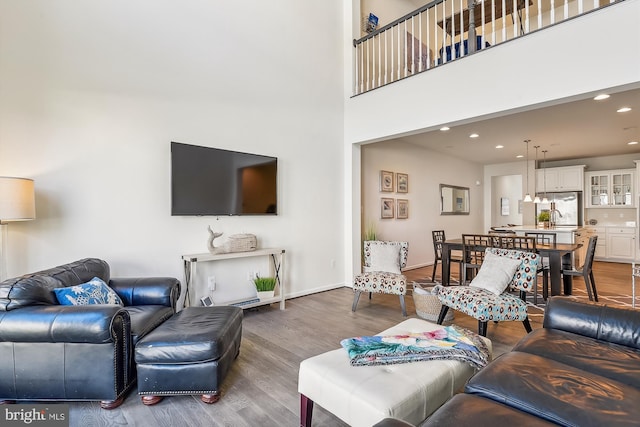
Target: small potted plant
543, 219
265, 286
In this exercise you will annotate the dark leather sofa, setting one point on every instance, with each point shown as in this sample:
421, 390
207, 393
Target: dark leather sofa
55, 352
581, 369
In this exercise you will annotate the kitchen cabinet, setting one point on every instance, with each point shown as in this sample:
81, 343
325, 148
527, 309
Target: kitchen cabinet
601, 244
621, 243
614, 188
615, 244
566, 178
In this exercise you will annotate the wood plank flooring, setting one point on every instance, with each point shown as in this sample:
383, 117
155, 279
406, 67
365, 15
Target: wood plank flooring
261, 388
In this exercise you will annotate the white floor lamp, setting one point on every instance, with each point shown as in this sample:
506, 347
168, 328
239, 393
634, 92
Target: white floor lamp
17, 203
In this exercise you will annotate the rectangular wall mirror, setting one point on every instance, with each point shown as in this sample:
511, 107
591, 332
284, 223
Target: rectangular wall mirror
454, 200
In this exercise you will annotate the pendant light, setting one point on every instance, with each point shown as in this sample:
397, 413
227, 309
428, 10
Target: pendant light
527, 196
544, 175
536, 199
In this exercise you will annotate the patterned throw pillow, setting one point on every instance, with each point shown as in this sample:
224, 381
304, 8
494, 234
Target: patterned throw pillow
95, 291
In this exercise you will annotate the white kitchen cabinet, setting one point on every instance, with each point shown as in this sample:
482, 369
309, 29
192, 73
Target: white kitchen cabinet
621, 243
615, 244
565, 178
601, 244
613, 188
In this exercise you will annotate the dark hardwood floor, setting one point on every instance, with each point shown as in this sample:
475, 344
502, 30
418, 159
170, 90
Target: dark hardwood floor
261, 388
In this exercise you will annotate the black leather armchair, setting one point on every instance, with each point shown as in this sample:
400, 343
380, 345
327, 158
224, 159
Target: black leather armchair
59, 352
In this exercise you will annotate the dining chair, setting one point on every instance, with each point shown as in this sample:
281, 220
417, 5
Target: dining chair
544, 238
382, 271
586, 270
488, 297
473, 252
438, 238
525, 243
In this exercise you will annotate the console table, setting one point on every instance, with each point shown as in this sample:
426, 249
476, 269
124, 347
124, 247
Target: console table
277, 270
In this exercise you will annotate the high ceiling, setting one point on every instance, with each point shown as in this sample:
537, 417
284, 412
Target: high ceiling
577, 129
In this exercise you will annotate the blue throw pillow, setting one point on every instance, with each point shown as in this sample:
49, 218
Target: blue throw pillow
95, 291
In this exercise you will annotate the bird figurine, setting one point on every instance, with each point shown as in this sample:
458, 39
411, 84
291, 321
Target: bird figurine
210, 245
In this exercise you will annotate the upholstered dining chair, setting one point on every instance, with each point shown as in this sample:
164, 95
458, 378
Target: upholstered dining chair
382, 271
586, 271
487, 297
438, 238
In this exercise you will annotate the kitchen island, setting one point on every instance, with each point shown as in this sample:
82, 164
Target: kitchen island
564, 233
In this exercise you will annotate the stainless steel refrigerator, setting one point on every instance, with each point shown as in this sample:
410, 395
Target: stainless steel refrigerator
568, 206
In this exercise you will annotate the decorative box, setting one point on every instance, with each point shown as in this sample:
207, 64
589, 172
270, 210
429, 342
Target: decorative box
241, 243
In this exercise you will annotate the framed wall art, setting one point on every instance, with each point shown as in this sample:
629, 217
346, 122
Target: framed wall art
402, 183
402, 208
387, 208
386, 181
504, 206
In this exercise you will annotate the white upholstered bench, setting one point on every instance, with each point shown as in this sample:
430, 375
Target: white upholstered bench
364, 395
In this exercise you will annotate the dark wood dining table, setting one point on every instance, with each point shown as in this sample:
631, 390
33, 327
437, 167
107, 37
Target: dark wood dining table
560, 258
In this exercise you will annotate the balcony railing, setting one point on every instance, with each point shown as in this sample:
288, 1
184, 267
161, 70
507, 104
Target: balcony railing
439, 32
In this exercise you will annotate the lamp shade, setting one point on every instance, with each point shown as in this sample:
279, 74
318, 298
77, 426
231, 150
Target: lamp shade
17, 199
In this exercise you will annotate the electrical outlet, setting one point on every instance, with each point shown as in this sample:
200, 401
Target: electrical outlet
211, 281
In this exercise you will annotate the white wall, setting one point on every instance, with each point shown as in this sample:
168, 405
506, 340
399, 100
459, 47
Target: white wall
560, 63
510, 169
426, 170
93, 92
507, 190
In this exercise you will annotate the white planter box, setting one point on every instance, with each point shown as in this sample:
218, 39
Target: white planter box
266, 295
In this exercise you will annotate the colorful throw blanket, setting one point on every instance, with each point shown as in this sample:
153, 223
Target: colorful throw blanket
448, 343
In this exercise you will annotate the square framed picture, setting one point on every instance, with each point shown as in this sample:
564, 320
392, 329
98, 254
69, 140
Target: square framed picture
386, 181
402, 183
387, 208
402, 209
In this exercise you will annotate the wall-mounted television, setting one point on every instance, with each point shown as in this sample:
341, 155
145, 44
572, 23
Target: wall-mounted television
212, 181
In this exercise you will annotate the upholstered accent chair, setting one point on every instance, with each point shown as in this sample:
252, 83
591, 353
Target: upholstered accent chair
488, 297
382, 271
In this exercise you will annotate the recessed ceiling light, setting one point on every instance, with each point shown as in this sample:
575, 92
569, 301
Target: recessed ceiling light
632, 142
519, 156
601, 97
444, 128
499, 146
474, 135
624, 109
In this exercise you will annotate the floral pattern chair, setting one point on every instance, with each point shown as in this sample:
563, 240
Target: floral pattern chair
382, 272
485, 305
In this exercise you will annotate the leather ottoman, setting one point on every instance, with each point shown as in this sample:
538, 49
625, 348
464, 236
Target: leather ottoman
364, 395
190, 353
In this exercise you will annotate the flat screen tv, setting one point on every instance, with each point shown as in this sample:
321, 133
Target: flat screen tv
211, 181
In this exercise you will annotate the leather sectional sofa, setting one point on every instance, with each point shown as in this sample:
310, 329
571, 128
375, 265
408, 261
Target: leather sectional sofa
581, 369
55, 352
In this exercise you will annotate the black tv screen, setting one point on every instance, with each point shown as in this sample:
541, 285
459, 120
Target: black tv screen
211, 181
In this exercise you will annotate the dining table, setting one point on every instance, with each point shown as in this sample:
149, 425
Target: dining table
560, 258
